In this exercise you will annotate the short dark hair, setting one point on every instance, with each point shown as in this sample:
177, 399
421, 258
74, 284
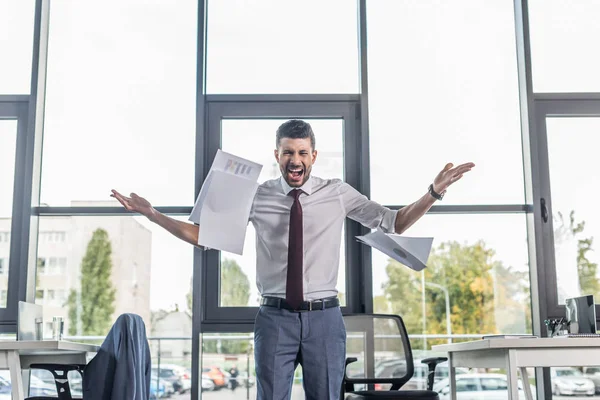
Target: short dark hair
295, 129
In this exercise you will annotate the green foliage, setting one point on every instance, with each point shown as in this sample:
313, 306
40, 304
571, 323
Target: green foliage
485, 296
235, 286
97, 296
72, 306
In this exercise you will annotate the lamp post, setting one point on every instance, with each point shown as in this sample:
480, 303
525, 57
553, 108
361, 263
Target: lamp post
443, 289
424, 309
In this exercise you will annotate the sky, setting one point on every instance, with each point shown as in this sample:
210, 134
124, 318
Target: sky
120, 105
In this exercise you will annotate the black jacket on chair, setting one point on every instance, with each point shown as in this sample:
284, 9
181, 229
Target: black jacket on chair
121, 368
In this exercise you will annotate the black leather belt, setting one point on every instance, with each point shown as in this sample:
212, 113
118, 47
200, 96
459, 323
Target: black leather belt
313, 305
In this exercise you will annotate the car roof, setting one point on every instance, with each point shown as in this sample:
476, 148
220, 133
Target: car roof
481, 375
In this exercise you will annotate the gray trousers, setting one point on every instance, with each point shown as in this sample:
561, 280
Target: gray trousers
314, 339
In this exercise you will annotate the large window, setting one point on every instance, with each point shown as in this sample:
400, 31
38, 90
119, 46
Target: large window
274, 46
477, 278
137, 97
120, 102
111, 265
120, 112
443, 88
8, 149
16, 44
562, 36
571, 144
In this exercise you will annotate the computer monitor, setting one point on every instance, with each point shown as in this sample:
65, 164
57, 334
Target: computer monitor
28, 318
581, 314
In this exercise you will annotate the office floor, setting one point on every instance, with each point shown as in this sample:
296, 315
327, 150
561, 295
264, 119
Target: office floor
298, 394
240, 394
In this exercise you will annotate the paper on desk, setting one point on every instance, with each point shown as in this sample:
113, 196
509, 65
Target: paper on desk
223, 205
410, 251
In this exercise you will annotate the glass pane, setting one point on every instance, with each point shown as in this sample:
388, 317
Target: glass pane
477, 277
92, 269
562, 36
275, 46
226, 354
448, 92
8, 149
573, 177
329, 164
16, 45
131, 125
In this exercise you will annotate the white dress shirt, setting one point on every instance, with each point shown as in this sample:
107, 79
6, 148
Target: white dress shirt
325, 205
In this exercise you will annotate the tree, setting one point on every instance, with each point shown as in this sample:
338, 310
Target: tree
93, 306
235, 286
479, 287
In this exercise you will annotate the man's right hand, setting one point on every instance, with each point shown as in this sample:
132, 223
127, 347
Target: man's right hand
134, 203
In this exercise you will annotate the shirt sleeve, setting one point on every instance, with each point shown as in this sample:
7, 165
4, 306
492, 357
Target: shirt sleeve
367, 212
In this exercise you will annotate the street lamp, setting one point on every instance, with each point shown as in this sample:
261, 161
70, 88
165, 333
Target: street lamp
443, 289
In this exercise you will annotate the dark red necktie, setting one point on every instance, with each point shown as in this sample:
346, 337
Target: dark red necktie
294, 293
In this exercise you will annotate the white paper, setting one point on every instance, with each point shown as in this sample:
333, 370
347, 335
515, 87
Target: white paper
410, 251
223, 205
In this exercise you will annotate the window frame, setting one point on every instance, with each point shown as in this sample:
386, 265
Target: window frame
17, 108
261, 107
548, 105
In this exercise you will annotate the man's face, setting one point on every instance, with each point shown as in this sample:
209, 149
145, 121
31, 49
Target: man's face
295, 158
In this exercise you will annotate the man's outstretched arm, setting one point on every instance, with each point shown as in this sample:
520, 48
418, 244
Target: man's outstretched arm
410, 214
183, 230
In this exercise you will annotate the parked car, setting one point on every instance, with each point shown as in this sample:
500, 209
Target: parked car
160, 388
207, 384
571, 381
396, 368
177, 375
37, 387
479, 387
593, 373
218, 377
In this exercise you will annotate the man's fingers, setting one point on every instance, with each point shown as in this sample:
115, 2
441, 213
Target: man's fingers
456, 177
124, 200
461, 169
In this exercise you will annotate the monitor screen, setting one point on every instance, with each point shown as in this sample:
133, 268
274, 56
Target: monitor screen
581, 314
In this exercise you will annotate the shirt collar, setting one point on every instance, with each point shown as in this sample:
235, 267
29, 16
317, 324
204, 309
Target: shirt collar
306, 188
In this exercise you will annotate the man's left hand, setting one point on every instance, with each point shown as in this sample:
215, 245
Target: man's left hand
449, 175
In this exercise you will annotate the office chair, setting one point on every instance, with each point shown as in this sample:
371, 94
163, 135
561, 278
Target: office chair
119, 371
379, 353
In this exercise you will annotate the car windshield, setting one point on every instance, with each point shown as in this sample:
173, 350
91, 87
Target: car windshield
592, 370
166, 373
568, 372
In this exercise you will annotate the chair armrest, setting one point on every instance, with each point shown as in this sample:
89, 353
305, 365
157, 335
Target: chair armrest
431, 363
347, 386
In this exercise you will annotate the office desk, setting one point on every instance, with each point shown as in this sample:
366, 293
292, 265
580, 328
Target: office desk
19, 355
517, 354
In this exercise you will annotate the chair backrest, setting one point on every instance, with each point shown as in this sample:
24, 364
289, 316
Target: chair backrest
380, 344
121, 369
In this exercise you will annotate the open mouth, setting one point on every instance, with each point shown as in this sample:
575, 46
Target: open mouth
295, 174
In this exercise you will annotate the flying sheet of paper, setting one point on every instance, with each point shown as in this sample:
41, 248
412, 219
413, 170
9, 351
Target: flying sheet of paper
223, 205
410, 251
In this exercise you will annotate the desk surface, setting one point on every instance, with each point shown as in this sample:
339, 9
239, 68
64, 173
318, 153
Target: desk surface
516, 343
39, 346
